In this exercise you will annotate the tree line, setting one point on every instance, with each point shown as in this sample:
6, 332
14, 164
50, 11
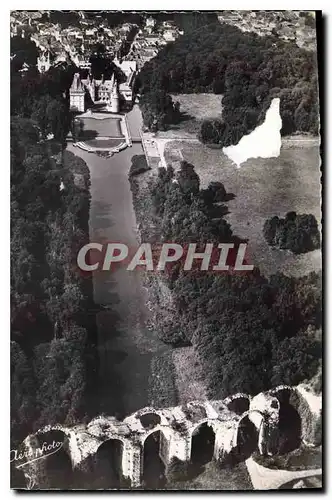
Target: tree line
247, 69
52, 333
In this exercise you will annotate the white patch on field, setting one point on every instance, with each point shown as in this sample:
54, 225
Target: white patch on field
263, 142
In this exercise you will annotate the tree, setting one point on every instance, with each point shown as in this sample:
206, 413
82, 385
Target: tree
298, 233
52, 116
214, 193
39, 114
49, 300
302, 364
158, 110
58, 117
212, 131
22, 391
188, 179
270, 228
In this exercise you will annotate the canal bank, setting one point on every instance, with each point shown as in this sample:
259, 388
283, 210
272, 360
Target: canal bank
130, 353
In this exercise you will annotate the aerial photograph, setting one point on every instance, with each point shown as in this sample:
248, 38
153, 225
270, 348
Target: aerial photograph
166, 250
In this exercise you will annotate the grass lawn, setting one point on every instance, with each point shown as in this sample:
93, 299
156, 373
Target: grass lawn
195, 108
262, 188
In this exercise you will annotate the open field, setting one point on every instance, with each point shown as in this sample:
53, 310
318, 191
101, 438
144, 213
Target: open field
195, 108
262, 188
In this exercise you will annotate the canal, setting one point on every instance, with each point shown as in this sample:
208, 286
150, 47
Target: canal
125, 344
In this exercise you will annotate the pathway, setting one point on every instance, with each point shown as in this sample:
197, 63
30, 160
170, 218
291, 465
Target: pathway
263, 478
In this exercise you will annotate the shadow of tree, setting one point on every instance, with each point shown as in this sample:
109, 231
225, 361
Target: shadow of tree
217, 211
229, 197
182, 118
87, 134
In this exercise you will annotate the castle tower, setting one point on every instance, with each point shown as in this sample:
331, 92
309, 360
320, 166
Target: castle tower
77, 94
114, 102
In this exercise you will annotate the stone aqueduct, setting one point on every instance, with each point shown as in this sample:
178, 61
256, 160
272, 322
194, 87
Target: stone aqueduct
232, 420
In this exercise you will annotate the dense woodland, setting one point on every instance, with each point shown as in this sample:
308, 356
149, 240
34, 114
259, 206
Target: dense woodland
251, 332
247, 71
52, 334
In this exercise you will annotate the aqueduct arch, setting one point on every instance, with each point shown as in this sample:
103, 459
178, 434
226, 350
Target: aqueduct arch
150, 420
203, 440
239, 403
294, 401
172, 434
246, 437
154, 458
108, 463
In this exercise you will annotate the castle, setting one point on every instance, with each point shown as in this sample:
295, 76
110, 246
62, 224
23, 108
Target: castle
104, 91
